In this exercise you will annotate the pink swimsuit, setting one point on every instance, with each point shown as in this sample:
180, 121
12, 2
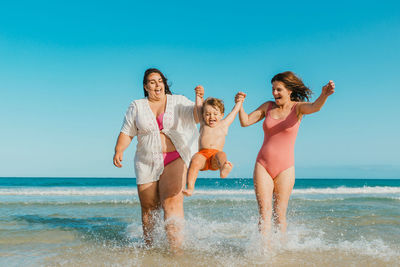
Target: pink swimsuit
168, 156
277, 152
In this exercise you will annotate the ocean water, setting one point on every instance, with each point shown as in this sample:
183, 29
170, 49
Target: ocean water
96, 222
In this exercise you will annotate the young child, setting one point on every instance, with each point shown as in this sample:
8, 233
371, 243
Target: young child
213, 129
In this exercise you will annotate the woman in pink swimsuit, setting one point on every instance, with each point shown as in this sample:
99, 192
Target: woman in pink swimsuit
274, 173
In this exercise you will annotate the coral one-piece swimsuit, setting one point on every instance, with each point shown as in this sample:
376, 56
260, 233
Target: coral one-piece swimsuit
277, 152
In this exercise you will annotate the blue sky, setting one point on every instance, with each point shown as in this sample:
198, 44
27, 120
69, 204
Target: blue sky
68, 71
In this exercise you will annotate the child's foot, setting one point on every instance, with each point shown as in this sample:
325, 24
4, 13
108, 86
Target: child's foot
187, 192
226, 169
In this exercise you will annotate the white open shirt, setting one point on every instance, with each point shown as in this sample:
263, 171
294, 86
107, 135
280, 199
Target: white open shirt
179, 125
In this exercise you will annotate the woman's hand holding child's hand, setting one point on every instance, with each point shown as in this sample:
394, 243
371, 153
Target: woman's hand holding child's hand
240, 97
199, 91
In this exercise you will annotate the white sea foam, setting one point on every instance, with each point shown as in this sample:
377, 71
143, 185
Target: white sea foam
72, 202
349, 190
129, 191
314, 191
213, 192
67, 191
302, 238
237, 243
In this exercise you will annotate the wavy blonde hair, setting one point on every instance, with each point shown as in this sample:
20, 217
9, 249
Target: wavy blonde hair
214, 102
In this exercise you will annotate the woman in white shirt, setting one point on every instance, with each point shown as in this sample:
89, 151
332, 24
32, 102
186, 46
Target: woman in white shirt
165, 126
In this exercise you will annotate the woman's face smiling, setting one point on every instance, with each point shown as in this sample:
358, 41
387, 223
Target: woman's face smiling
280, 93
155, 86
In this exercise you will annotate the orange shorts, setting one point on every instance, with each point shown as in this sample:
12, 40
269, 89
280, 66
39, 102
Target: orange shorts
209, 154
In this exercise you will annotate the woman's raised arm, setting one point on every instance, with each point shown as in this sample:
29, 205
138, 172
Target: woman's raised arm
308, 108
253, 117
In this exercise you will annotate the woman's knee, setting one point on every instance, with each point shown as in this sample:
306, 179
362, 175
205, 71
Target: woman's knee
173, 204
280, 214
280, 219
265, 211
149, 206
148, 196
264, 202
280, 205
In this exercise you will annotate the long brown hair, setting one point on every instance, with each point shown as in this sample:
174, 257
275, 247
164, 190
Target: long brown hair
293, 83
165, 80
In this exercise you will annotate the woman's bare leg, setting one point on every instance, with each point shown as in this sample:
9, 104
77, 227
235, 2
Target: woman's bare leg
171, 183
283, 186
150, 203
263, 186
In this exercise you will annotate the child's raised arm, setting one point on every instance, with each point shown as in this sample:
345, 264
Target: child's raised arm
308, 108
231, 116
199, 90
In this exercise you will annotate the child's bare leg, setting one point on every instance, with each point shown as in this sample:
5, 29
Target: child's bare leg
197, 163
224, 165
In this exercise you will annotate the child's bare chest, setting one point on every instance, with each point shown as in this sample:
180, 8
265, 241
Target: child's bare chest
218, 131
